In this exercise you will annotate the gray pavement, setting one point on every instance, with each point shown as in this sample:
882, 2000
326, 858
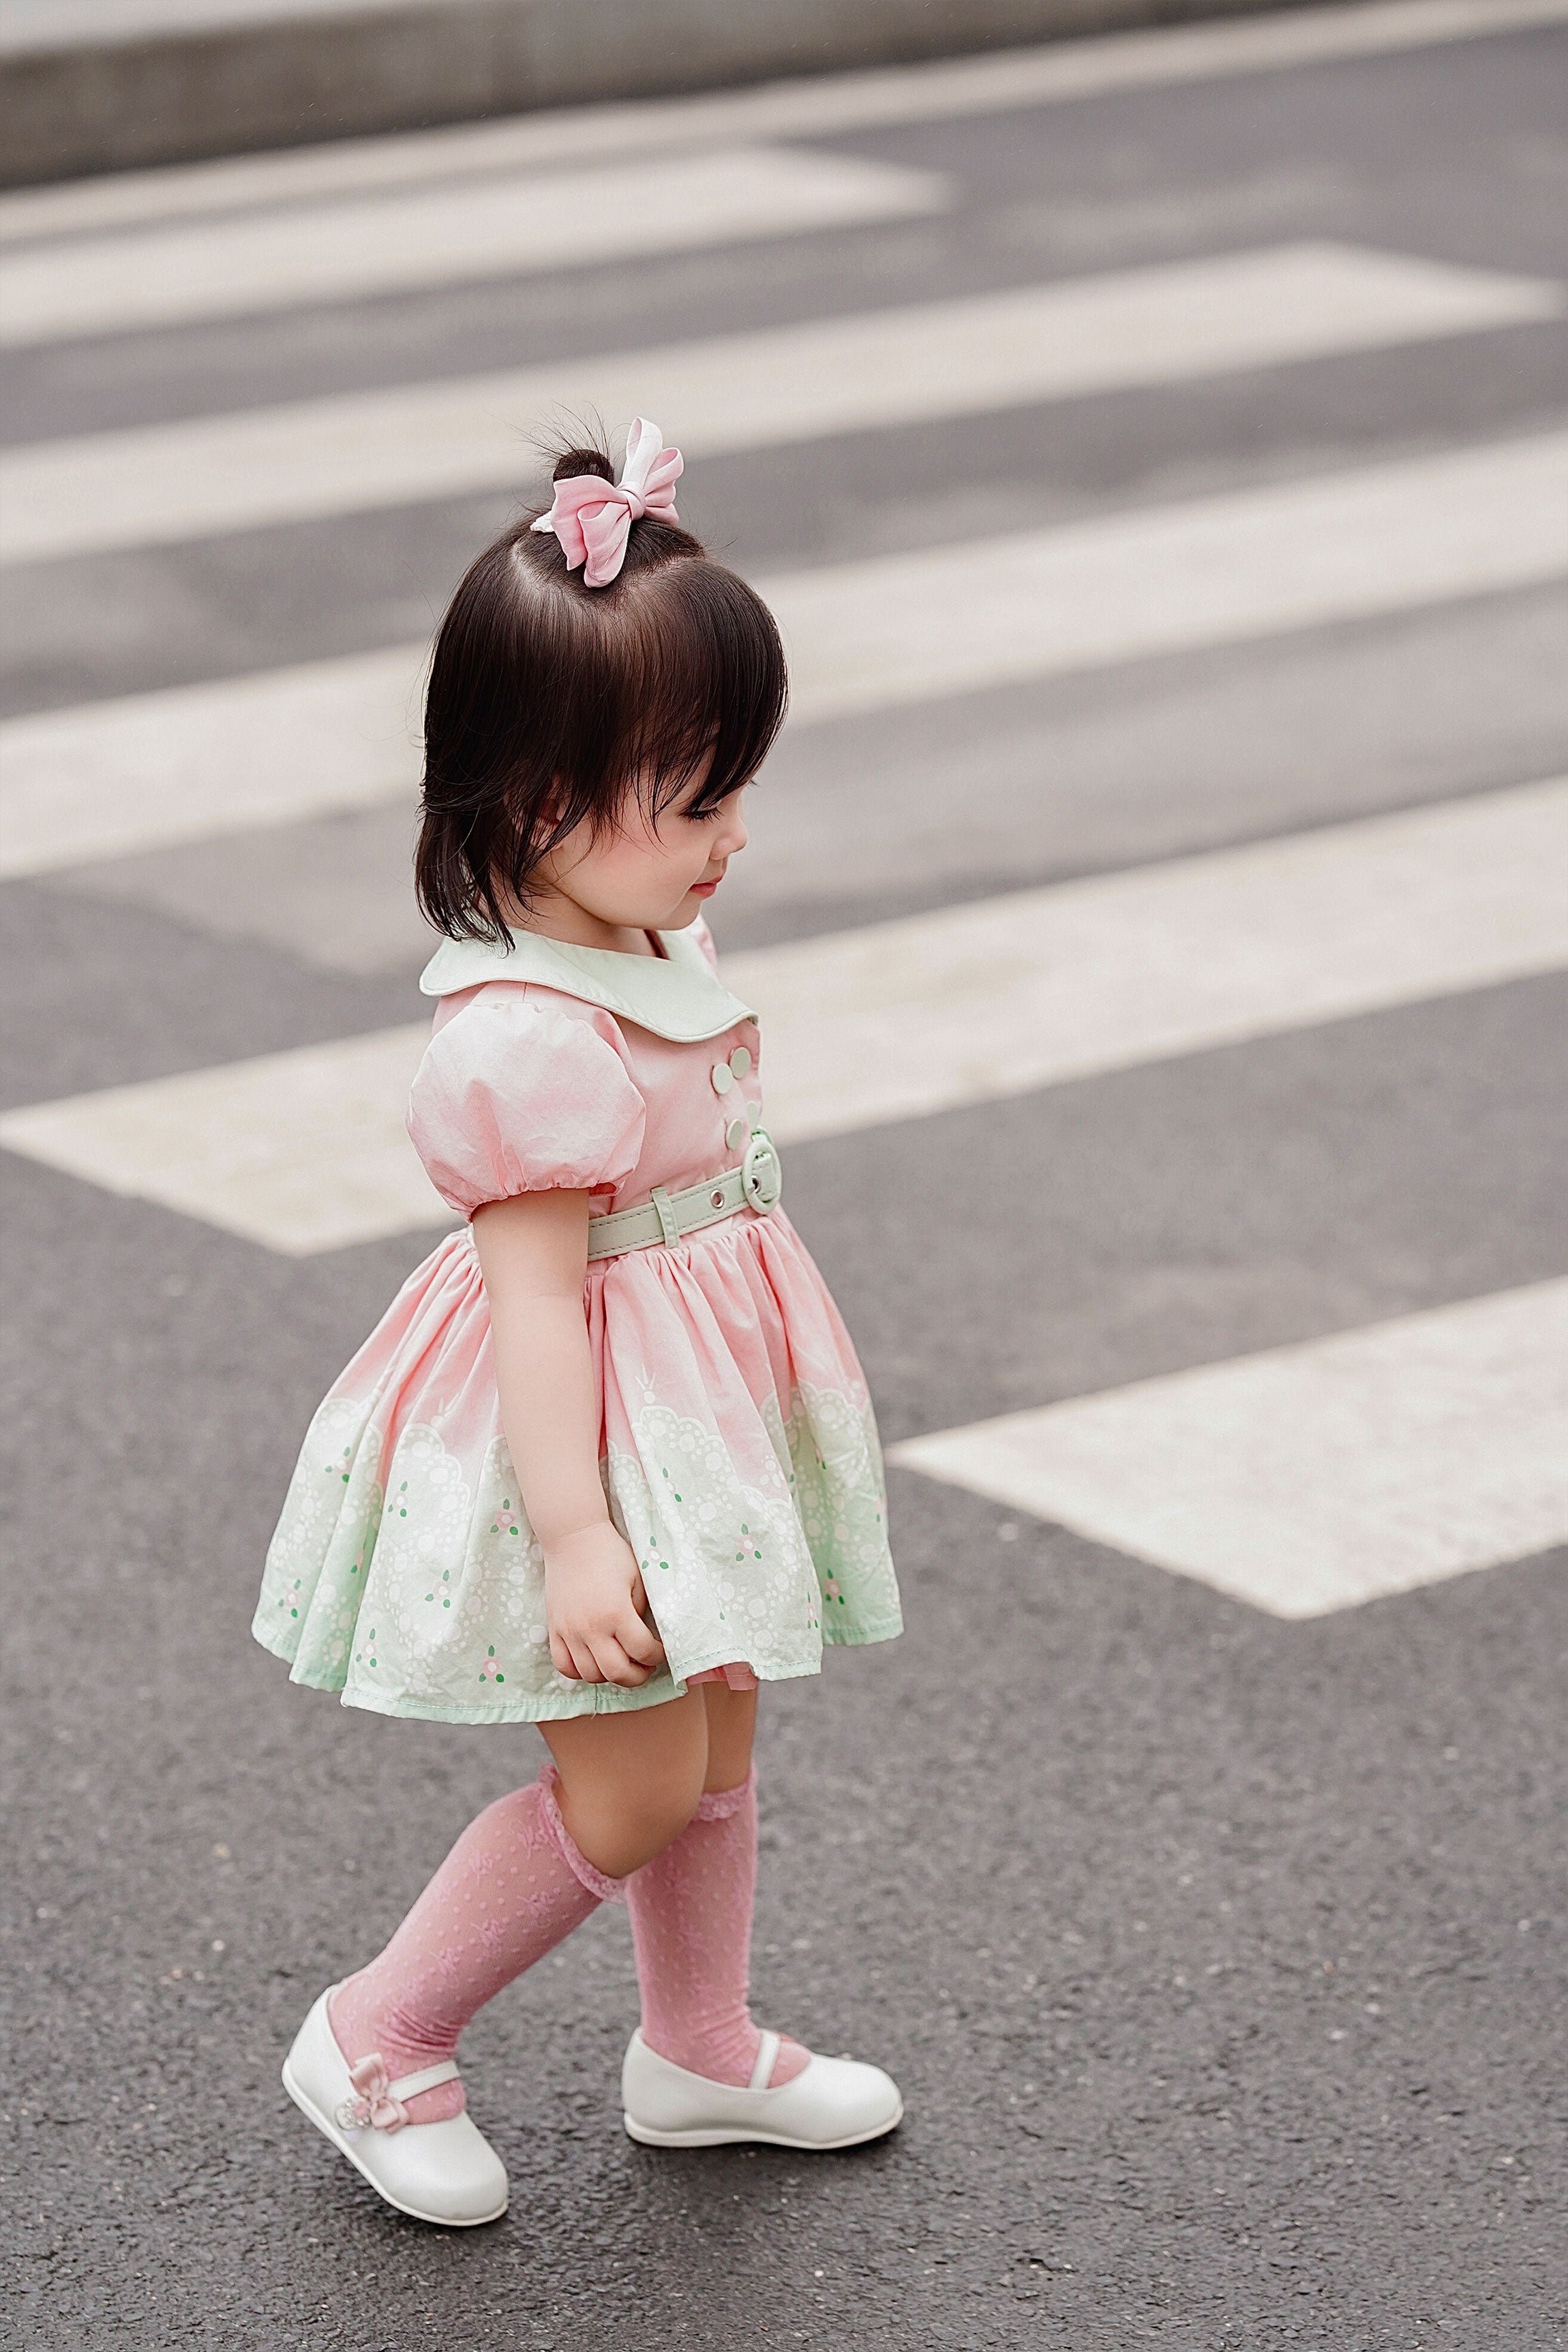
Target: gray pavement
1221, 1959
100, 85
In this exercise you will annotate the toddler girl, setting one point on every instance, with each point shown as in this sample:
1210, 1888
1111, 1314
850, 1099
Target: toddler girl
607, 1463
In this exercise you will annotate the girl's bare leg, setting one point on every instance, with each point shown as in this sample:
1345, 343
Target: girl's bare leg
629, 1783
732, 1726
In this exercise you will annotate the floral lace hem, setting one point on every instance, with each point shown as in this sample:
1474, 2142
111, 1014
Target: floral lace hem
416, 1587
551, 1707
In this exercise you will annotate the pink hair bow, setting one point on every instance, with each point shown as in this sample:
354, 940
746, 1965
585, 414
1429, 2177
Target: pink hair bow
375, 2109
592, 518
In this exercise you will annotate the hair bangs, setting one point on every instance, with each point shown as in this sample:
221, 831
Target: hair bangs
712, 687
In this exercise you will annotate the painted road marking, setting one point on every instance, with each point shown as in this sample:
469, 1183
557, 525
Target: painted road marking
150, 770
1314, 1477
1245, 564
976, 1002
305, 1150
300, 1151
158, 484
1058, 72
346, 249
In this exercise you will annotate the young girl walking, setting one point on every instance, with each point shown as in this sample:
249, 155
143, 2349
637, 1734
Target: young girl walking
607, 1463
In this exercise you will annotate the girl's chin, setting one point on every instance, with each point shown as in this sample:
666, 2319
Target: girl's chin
688, 910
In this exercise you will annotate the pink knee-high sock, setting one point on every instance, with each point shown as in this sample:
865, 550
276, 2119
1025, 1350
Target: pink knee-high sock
511, 1888
691, 1924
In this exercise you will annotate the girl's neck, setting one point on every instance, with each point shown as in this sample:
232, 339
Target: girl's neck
554, 915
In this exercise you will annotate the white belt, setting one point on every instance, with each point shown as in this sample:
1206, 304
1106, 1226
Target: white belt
668, 1217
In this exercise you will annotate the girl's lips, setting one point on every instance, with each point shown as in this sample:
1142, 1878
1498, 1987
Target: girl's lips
705, 889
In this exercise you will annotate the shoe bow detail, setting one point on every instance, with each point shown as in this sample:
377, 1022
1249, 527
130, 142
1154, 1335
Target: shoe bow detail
375, 2108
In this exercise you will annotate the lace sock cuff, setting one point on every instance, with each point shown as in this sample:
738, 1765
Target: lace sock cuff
607, 1890
719, 1804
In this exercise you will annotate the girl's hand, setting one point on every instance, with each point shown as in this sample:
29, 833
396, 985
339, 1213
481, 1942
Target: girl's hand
593, 1605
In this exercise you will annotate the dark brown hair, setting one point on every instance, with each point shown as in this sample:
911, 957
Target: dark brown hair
549, 702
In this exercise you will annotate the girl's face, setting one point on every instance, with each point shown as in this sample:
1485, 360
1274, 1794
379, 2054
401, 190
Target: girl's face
641, 874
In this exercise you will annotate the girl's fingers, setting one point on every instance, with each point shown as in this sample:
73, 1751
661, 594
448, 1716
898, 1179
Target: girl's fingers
628, 1655
640, 1641
614, 1665
585, 1666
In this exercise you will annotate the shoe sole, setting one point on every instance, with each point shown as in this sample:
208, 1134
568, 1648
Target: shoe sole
328, 2130
731, 2135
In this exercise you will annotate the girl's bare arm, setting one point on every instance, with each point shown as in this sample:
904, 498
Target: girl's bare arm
533, 1253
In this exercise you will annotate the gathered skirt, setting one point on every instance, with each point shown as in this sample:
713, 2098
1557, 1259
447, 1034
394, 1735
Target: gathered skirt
740, 1459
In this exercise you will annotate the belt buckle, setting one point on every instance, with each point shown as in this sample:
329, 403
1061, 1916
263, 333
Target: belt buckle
762, 1177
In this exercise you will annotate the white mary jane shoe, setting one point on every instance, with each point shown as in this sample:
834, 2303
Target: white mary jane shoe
447, 2172
831, 2103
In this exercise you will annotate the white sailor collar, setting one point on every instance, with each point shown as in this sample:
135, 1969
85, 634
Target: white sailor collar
676, 996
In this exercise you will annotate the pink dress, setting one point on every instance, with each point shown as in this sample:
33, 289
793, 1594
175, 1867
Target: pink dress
737, 1444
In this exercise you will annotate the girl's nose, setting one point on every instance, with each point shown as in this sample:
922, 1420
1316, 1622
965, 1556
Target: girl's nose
733, 836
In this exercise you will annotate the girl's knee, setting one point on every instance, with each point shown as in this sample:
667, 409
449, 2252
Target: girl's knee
654, 1818
622, 1819
630, 1782
619, 1838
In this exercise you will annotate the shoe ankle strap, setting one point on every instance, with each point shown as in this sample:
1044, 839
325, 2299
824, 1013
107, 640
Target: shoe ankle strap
410, 2086
767, 2050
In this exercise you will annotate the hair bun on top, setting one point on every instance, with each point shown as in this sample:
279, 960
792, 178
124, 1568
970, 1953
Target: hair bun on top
572, 463
593, 515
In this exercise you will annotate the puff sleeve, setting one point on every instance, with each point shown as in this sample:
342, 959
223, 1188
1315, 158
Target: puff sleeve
513, 1096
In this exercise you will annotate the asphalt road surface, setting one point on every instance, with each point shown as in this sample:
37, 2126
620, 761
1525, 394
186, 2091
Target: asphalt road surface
1196, 1865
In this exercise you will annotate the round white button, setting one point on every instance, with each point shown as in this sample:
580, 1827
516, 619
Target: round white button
724, 1078
739, 1060
736, 1133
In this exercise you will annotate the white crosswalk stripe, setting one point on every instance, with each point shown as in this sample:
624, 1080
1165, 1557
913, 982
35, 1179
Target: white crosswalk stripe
158, 484
174, 766
976, 1002
1313, 1478
1248, 563
150, 769
304, 1151
300, 1151
444, 237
